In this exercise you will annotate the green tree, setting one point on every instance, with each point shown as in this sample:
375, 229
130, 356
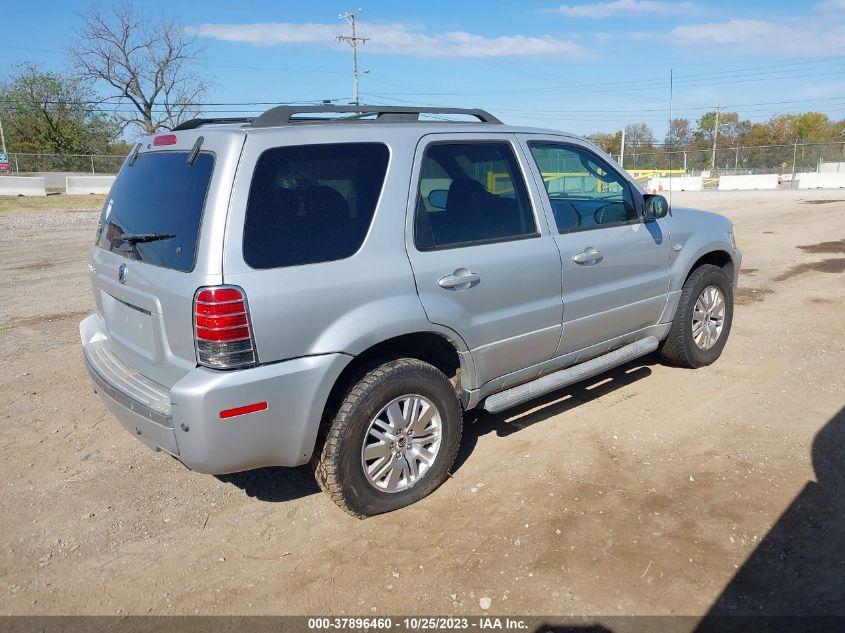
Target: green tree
51, 113
731, 128
813, 127
781, 128
680, 133
610, 143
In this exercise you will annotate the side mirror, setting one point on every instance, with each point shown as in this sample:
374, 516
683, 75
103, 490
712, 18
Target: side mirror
656, 207
437, 198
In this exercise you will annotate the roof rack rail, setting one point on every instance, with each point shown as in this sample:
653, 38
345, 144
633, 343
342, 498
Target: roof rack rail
285, 115
192, 124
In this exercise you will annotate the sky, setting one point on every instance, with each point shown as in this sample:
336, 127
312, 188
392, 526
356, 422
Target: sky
578, 65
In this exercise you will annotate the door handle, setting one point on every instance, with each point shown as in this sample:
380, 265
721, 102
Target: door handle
588, 257
461, 279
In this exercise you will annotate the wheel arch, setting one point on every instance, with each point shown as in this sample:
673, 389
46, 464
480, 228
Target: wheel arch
717, 254
717, 257
445, 352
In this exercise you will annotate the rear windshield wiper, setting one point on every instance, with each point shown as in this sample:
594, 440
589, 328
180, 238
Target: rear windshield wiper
143, 238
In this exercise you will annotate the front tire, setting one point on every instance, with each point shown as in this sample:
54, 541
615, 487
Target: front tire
392, 440
702, 321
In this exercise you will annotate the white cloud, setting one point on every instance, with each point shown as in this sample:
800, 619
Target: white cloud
830, 6
392, 38
608, 9
269, 34
728, 32
804, 37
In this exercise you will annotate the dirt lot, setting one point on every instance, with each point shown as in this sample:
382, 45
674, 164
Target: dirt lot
641, 492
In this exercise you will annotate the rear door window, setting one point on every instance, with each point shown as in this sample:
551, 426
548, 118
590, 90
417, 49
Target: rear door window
471, 193
155, 209
312, 203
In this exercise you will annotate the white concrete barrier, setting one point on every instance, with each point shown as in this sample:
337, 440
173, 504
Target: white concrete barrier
681, 183
22, 186
746, 183
822, 181
80, 185
789, 178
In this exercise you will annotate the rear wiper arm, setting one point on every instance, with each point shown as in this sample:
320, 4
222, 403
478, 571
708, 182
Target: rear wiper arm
143, 238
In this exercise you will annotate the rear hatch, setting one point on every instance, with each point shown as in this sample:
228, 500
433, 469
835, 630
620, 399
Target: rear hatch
159, 238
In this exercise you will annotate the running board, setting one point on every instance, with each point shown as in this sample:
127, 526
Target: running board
541, 386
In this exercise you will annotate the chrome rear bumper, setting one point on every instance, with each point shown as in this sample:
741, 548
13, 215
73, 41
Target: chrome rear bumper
127, 386
141, 406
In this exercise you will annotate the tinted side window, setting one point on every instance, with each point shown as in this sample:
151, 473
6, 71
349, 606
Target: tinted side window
584, 191
312, 203
471, 192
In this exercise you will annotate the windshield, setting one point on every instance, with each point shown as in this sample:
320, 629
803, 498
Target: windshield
154, 211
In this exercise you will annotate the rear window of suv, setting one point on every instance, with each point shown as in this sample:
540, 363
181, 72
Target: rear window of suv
312, 203
154, 211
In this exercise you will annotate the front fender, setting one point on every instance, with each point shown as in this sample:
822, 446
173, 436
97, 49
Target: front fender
694, 235
682, 262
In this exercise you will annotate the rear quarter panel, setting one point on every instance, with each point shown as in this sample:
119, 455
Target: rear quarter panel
342, 306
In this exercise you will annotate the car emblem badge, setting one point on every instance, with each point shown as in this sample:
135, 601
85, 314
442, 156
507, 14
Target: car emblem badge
121, 274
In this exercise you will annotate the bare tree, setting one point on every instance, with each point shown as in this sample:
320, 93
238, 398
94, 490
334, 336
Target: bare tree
149, 64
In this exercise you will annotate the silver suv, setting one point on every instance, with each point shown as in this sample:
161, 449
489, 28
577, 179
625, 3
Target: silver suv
340, 284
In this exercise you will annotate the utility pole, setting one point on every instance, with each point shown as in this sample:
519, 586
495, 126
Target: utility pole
622, 150
794, 152
715, 134
2, 136
353, 41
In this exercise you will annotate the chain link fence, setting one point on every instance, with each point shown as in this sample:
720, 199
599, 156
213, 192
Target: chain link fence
740, 160
24, 164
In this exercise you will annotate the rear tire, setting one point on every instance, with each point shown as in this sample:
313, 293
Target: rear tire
702, 321
392, 440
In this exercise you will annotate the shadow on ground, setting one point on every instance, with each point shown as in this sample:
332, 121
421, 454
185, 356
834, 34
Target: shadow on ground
275, 484
286, 484
794, 580
478, 422
798, 569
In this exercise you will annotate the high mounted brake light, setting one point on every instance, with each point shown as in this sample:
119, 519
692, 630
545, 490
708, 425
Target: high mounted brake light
222, 331
164, 139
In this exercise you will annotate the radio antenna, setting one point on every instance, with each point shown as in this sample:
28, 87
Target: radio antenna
671, 140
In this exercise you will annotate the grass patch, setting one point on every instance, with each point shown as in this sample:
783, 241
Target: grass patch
52, 202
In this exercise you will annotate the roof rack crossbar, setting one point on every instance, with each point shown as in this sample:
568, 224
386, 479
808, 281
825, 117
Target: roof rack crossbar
193, 124
286, 114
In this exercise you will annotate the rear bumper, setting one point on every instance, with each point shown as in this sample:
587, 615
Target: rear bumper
185, 419
150, 427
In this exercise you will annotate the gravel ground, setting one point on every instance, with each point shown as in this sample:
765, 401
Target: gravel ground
37, 221
650, 490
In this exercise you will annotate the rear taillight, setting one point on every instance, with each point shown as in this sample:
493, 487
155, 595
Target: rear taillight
222, 333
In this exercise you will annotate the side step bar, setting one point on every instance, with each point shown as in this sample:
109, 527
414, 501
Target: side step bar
546, 384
